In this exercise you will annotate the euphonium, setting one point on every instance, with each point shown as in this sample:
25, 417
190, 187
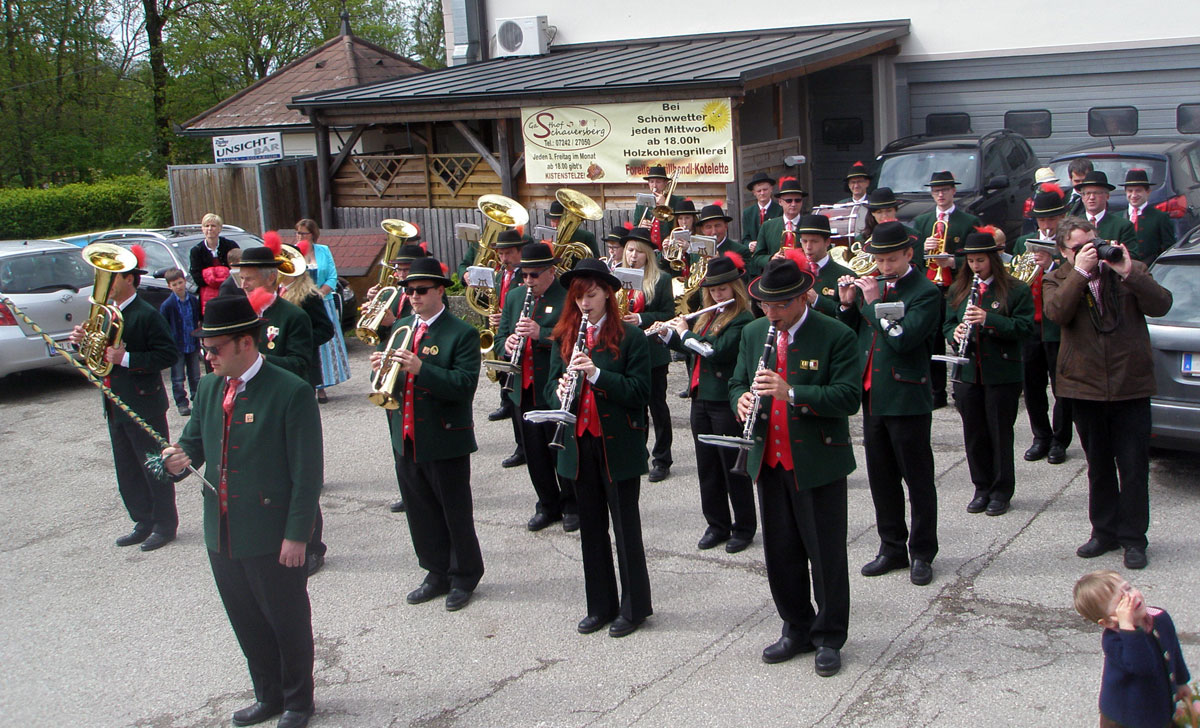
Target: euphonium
104, 324
383, 384
372, 312
577, 207
502, 213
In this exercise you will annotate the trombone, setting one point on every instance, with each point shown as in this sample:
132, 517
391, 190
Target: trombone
383, 384
662, 211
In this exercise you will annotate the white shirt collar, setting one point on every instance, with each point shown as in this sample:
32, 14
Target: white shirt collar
213, 249
429, 322
1099, 215
247, 375
1140, 208
796, 326
125, 304
599, 323
795, 221
823, 261
948, 212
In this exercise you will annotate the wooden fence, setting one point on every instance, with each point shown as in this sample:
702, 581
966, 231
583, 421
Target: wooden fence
256, 197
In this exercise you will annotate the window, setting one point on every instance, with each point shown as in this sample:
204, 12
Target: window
842, 132
944, 124
1112, 121
1029, 124
993, 156
44, 272
1187, 118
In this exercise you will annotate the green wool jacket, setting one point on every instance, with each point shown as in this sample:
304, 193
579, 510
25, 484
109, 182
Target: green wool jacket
716, 369
770, 239
275, 460
662, 308
750, 222
1116, 227
900, 363
443, 390
640, 210
996, 351
322, 332
546, 311
622, 392
827, 287
151, 348
1155, 233
822, 367
286, 337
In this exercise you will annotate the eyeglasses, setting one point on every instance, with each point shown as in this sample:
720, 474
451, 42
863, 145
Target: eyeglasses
214, 350
1093, 193
303, 232
414, 291
776, 305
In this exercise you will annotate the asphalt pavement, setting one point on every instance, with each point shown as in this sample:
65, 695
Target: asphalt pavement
101, 636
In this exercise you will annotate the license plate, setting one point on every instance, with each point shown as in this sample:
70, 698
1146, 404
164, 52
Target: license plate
1191, 364
50, 352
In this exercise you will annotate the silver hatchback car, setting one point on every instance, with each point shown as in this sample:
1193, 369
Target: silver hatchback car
1175, 340
50, 282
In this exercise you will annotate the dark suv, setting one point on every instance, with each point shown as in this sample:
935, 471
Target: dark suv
995, 171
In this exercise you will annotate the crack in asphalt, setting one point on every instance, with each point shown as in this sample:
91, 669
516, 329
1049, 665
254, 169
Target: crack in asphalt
447, 716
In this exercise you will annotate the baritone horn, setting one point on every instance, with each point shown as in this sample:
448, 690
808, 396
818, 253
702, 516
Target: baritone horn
104, 324
372, 312
577, 207
383, 384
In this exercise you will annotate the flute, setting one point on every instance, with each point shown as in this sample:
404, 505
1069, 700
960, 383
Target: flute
657, 326
889, 277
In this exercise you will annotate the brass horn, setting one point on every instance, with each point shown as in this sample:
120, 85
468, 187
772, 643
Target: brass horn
291, 261
383, 384
372, 312
577, 207
104, 324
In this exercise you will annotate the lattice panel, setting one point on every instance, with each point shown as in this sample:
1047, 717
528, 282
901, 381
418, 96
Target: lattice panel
378, 172
453, 170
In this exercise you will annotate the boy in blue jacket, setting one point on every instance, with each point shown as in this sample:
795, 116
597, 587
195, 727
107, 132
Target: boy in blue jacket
182, 312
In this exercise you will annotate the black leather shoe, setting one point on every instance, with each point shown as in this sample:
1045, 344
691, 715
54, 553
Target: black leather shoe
622, 627
185, 411
570, 522
157, 540
978, 504
939, 400
1095, 547
255, 714
1057, 456
736, 545
1037, 451
920, 573
540, 521
685, 393
828, 661
883, 564
134, 537
592, 623
425, 592
514, 460
659, 472
457, 599
1135, 557
784, 649
397, 507
710, 539
997, 507
502, 413
294, 719
314, 562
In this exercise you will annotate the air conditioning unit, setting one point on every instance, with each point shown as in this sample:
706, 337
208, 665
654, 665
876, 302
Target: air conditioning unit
525, 36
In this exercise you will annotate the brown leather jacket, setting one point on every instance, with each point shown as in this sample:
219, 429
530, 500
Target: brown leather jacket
1104, 357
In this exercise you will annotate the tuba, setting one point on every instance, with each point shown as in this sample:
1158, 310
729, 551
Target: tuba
383, 384
372, 313
105, 323
577, 207
502, 213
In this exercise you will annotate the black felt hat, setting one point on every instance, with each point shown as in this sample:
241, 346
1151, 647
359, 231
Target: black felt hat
977, 242
427, 269
1048, 202
721, 269
230, 314
945, 177
760, 177
790, 186
888, 237
816, 224
685, 207
882, 198
537, 255
1136, 176
712, 212
410, 252
1095, 178
782, 281
591, 268
858, 169
510, 239
260, 256
556, 209
656, 172
616, 234
640, 234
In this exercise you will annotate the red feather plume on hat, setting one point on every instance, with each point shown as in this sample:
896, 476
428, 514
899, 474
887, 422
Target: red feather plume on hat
786, 179
520, 230
1051, 187
797, 256
858, 164
550, 244
996, 233
272, 240
260, 298
445, 269
425, 247
304, 247
718, 203
738, 261
139, 254
627, 225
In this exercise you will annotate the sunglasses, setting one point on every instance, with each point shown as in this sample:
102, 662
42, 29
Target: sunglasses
533, 272
214, 350
414, 291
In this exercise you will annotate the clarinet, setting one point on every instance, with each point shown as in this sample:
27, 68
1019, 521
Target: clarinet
958, 362
515, 358
739, 466
560, 428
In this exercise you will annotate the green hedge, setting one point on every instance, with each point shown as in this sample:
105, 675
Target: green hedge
48, 213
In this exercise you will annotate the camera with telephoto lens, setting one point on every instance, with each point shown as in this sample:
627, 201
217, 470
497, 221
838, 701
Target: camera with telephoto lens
1108, 252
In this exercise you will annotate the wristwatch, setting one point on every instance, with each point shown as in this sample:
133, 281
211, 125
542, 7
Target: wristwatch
791, 397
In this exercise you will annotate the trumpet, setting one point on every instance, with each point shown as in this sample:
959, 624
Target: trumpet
512, 365
372, 313
104, 324
564, 415
746, 441
383, 384
956, 361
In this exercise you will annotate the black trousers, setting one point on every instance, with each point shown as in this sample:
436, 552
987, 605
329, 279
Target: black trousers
718, 486
556, 494
149, 501
1116, 440
599, 497
507, 405
898, 454
803, 530
441, 520
989, 412
1041, 358
268, 608
661, 414
394, 420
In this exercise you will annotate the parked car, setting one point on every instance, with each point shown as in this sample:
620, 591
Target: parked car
995, 171
1175, 340
50, 282
1173, 164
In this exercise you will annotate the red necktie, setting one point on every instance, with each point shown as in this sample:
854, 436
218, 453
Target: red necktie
1092, 219
231, 389
789, 236
409, 425
589, 419
762, 215
1037, 296
779, 444
1133, 217
696, 369
527, 357
504, 288
982, 291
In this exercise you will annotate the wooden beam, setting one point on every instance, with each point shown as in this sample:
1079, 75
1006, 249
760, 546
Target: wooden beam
504, 144
519, 165
479, 147
347, 147
324, 177
821, 65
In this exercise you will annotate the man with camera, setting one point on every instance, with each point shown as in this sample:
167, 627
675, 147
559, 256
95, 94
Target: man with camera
1100, 297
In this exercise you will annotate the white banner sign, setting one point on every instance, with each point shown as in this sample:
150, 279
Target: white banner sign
247, 147
618, 143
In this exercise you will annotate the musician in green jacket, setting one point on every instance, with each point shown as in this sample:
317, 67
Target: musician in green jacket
1154, 230
1095, 190
995, 318
713, 340
287, 336
778, 232
713, 221
897, 400
256, 431
882, 206
658, 181
1051, 430
807, 389
530, 313
604, 452
436, 436
146, 348
762, 186
554, 216
814, 233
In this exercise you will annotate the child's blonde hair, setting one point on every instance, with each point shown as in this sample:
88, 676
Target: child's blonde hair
1094, 593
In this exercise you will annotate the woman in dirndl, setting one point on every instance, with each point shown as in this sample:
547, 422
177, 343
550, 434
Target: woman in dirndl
335, 366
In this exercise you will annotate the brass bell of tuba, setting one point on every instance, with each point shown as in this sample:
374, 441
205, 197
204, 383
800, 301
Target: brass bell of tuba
105, 323
372, 312
577, 207
502, 213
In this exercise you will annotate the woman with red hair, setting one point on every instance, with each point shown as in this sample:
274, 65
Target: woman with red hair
601, 365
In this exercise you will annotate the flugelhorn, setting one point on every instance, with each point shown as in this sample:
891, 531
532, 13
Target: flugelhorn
383, 384
104, 324
372, 313
746, 441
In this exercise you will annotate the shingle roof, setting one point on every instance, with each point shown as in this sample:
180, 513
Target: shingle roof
680, 62
355, 250
342, 61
